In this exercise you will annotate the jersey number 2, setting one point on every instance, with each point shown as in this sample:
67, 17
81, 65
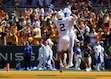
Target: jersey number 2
62, 27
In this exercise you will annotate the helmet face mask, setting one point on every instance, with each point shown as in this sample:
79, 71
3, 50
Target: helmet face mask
60, 15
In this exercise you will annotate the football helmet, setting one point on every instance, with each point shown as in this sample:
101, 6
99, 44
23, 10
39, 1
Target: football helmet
60, 15
67, 12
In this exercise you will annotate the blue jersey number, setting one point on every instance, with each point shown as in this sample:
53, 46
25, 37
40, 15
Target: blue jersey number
62, 27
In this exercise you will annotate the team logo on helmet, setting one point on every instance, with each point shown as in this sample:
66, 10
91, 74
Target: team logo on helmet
67, 12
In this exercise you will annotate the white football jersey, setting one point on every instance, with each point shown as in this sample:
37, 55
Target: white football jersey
72, 33
62, 26
71, 25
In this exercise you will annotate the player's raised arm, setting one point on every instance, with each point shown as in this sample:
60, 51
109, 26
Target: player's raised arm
74, 17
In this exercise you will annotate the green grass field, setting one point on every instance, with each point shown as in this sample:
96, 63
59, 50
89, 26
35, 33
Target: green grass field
14, 74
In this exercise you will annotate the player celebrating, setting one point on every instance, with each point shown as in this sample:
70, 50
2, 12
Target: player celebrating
62, 25
72, 36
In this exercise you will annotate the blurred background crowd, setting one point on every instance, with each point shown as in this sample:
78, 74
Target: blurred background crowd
34, 21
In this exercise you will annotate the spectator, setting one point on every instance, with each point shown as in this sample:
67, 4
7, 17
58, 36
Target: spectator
9, 38
87, 56
36, 28
36, 39
2, 37
13, 28
25, 13
86, 36
15, 39
78, 56
16, 12
106, 22
100, 18
100, 33
20, 33
105, 37
93, 37
2, 14
30, 38
26, 29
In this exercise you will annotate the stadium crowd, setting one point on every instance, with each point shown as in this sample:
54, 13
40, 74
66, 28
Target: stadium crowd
35, 24
22, 26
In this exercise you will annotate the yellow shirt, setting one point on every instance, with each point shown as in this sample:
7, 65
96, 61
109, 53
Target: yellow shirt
14, 40
30, 39
0, 29
36, 40
9, 38
54, 38
100, 35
